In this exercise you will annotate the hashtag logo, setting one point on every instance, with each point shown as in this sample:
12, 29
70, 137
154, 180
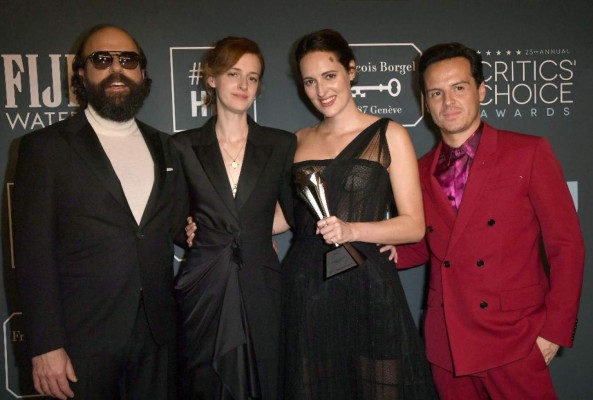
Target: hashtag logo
195, 74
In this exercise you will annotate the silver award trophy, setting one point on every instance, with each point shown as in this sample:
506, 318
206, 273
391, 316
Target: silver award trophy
311, 189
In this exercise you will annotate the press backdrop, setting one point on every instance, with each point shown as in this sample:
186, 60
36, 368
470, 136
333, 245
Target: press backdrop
537, 56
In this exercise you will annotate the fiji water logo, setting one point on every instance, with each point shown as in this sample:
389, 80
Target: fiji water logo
37, 90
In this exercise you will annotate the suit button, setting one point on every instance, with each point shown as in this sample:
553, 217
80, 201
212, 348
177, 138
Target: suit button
447, 264
491, 222
140, 235
480, 263
429, 228
483, 305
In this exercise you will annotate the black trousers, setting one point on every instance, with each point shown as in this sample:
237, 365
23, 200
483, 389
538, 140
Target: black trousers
143, 370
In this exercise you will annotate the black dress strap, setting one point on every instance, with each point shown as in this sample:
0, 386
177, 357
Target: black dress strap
358, 145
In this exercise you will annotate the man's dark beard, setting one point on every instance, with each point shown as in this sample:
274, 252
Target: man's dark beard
117, 107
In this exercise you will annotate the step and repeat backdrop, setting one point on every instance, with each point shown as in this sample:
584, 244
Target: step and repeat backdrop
537, 58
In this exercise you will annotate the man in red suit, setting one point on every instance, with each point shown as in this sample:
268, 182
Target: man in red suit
499, 304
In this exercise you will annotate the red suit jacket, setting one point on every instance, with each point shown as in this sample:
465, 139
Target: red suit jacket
489, 294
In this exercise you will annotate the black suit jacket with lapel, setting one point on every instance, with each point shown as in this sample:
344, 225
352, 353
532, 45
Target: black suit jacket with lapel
82, 260
243, 222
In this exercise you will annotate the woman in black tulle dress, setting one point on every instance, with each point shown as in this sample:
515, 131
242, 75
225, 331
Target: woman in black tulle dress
351, 336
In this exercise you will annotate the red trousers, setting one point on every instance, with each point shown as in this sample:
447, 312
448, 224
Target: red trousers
524, 379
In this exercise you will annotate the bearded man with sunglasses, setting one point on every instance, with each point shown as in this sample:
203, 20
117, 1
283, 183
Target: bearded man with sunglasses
97, 199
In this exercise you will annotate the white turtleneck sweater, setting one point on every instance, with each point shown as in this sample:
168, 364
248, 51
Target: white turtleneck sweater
129, 156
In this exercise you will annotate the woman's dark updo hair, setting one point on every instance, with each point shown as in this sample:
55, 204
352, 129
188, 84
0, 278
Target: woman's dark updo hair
326, 40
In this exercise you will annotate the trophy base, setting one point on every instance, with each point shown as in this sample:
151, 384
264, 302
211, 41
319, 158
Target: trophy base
341, 259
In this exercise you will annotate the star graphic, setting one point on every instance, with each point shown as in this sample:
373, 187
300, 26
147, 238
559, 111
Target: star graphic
497, 52
487, 52
518, 52
508, 52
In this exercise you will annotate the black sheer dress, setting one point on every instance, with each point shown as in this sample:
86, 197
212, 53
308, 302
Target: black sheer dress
351, 336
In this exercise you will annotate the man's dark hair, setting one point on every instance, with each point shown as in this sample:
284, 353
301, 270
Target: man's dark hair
445, 51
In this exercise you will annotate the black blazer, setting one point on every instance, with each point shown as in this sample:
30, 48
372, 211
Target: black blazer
81, 259
243, 222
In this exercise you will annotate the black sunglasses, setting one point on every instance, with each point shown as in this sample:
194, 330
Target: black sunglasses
127, 59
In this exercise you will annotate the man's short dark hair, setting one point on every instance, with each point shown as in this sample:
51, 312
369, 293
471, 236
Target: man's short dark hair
445, 51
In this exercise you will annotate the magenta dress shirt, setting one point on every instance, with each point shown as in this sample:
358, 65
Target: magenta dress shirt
453, 167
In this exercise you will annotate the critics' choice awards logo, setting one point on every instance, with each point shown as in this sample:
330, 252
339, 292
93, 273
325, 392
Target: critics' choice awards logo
37, 90
522, 83
187, 88
385, 86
